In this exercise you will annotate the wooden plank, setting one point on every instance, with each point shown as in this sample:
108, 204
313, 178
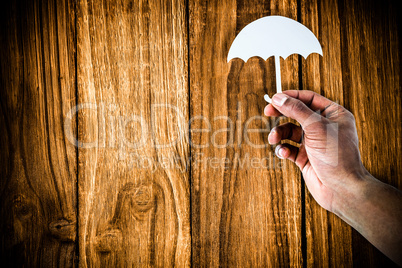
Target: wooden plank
133, 85
38, 164
329, 239
134, 196
244, 213
371, 72
360, 70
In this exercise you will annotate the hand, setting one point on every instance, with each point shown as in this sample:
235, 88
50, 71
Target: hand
329, 159
328, 155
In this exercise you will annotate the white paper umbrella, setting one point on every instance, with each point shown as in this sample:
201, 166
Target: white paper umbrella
274, 36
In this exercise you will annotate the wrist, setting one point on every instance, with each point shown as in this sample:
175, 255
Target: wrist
374, 209
347, 202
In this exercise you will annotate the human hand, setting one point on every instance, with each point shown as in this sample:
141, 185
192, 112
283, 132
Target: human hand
328, 155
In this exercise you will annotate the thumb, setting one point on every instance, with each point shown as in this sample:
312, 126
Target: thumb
295, 109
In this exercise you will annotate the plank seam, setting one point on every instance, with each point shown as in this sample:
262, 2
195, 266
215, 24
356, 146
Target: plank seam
302, 190
187, 3
77, 249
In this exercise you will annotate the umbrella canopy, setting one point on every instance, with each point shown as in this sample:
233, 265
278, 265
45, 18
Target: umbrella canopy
274, 36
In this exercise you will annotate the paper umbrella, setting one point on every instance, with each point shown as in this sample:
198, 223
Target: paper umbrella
274, 36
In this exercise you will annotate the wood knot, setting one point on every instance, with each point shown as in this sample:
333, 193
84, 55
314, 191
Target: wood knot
109, 240
134, 200
23, 209
63, 230
143, 198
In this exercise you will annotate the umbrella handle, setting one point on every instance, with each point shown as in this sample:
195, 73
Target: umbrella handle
278, 79
267, 98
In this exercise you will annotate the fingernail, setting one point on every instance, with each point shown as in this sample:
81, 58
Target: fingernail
279, 99
279, 151
272, 132
265, 110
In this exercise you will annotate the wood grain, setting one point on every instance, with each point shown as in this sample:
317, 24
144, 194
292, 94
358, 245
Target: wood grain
329, 239
99, 167
242, 215
372, 72
38, 164
132, 80
360, 46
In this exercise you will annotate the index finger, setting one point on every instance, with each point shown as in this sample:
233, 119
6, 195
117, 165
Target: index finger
312, 100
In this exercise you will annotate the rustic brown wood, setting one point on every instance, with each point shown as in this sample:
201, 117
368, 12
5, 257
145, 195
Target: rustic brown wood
242, 215
38, 165
132, 80
106, 84
329, 239
360, 70
371, 72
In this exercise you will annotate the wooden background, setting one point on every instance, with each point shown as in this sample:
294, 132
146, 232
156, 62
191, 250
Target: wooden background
94, 185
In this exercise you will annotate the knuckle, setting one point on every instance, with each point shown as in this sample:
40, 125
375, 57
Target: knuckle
351, 116
348, 116
315, 94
